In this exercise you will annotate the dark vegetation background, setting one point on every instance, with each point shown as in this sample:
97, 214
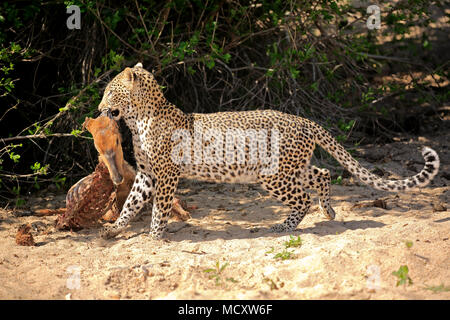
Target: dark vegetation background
314, 58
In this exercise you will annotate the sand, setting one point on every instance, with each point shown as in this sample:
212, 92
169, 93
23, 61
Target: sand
225, 250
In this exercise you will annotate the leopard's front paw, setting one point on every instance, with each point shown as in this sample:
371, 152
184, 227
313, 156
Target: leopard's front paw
109, 232
157, 233
278, 228
328, 212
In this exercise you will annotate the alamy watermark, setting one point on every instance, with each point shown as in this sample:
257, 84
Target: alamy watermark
73, 281
373, 277
232, 146
374, 20
374, 11
74, 20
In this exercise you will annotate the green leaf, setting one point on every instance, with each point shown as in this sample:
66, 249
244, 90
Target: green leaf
272, 249
76, 132
402, 275
226, 57
223, 267
210, 63
315, 86
440, 288
293, 242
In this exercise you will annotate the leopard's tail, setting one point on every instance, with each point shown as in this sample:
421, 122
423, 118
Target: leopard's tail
326, 141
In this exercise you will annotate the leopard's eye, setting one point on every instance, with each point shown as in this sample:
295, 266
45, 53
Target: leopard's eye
115, 113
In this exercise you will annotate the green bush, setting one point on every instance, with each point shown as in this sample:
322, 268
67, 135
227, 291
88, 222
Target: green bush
313, 58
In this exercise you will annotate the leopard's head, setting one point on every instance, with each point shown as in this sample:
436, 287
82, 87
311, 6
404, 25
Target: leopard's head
132, 89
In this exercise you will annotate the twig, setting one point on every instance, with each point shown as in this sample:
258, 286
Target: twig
115, 34
42, 136
143, 23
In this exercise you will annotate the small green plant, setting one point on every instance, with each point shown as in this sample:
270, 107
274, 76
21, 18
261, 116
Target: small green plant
216, 273
38, 169
19, 201
59, 181
346, 126
113, 61
38, 129
440, 288
338, 180
409, 244
284, 255
402, 275
293, 242
272, 250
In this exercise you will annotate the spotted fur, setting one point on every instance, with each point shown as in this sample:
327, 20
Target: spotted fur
135, 96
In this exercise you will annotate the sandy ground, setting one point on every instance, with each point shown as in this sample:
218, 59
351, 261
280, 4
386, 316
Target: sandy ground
352, 257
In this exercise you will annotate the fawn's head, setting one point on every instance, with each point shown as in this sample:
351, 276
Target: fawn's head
107, 141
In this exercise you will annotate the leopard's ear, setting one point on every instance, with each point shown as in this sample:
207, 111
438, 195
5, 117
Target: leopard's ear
129, 77
139, 65
131, 81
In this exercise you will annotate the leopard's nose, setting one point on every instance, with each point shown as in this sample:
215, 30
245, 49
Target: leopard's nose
106, 113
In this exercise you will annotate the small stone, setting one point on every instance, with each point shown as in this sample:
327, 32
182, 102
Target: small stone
439, 206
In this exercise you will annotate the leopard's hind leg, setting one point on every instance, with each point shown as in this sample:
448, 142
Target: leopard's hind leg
288, 189
319, 180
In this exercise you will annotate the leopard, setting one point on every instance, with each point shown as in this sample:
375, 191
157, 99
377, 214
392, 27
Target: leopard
222, 149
